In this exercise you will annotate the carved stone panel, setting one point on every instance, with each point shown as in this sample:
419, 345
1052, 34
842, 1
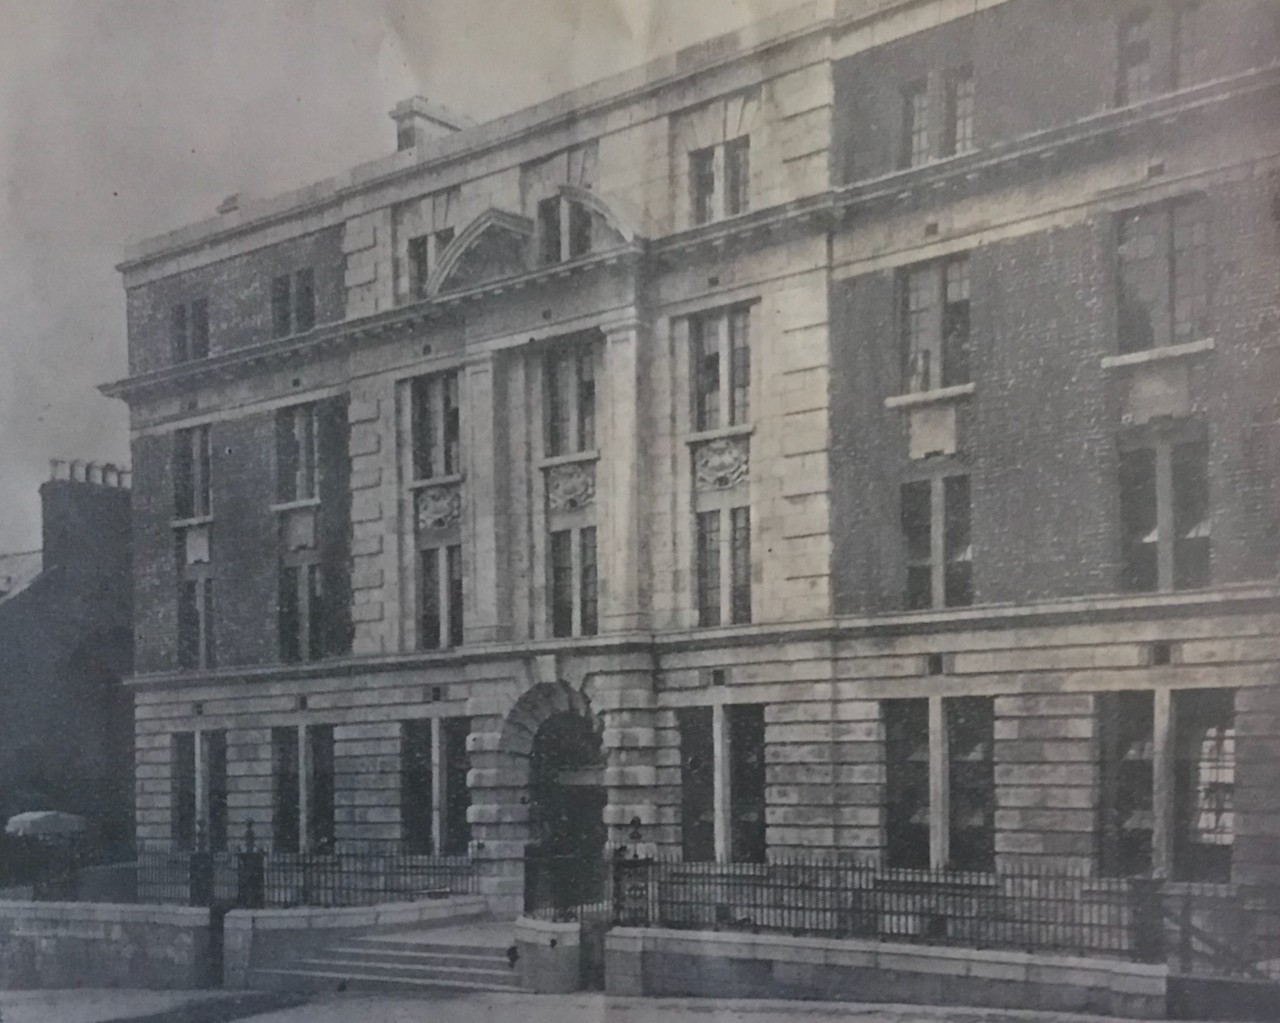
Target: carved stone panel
721, 464
571, 486
438, 507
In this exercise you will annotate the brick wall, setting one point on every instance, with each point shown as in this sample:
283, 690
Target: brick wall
155, 585
238, 290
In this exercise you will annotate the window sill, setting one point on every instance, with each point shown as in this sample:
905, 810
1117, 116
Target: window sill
1161, 354
934, 397
288, 506
570, 459
702, 436
196, 520
436, 481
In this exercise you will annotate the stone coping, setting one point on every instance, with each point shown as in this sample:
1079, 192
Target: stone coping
532, 930
1116, 975
386, 914
116, 912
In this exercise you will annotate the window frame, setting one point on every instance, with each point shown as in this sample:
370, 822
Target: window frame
435, 425
935, 324
961, 111
569, 375
949, 536
721, 339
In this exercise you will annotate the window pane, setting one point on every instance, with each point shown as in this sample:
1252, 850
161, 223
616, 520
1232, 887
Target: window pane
1126, 743
200, 329
1191, 523
286, 816
457, 797
281, 322
452, 423
955, 322
184, 790
746, 783
1204, 784
970, 743
739, 321
204, 471
919, 328
320, 822
697, 784
915, 125
216, 787
454, 557
178, 334
957, 541
1140, 539
558, 369
549, 231
289, 619
708, 567
917, 528
207, 620
184, 474
1144, 290
702, 184
960, 111
562, 583
304, 317
704, 339
422, 413
737, 170
740, 541
1135, 60
906, 724
1190, 280
416, 796
315, 612
429, 600
585, 360
579, 230
418, 266
588, 584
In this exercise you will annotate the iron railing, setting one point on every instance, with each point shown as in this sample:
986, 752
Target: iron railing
255, 879
566, 887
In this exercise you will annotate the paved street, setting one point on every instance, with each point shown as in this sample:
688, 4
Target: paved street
82, 1006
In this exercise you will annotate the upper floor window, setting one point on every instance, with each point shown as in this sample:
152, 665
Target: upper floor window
723, 537
297, 453
939, 549
934, 324
189, 330
1190, 56
193, 469
574, 582
301, 608
570, 375
958, 137
437, 425
915, 125
1163, 268
1165, 515
195, 619
440, 598
1134, 78
293, 303
720, 353
564, 230
720, 180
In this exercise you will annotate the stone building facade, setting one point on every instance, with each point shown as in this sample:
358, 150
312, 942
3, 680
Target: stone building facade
856, 434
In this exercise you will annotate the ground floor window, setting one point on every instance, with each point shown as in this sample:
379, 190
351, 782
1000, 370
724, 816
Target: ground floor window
303, 777
722, 777
433, 785
199, 793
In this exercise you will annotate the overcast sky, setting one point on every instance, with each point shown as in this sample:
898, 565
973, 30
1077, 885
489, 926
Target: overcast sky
121, 119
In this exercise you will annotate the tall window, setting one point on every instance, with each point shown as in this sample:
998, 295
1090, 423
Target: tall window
293, 303
457, 797
697, 784
935, 516
286, 802
189, 330
960, 108
708, 555
1163, 287
569, 372
960, 834
565, 230
934, 324
720, 354
301, 612
437, 426
720, 180
1134, 80
588, 583
297, 453
1204, 767
723, 537
915, 125
215, 785
183, 775
906, 727
193, 469
574, 587
1165, 515
423, 253
1126, 734
442, 619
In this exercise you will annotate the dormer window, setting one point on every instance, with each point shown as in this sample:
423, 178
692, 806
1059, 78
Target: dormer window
564, 230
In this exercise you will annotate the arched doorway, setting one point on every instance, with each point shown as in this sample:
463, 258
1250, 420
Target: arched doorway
566, 788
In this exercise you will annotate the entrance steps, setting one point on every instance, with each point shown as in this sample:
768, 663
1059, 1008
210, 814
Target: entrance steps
467, 957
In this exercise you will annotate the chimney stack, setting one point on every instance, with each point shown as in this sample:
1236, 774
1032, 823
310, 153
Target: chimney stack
418, 120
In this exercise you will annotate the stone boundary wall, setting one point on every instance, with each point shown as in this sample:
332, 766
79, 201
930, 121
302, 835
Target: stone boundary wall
550, 955
658, 962
86, 944
255, 938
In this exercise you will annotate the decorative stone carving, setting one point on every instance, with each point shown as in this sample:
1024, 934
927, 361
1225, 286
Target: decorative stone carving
721, 464
571, 486
439, 507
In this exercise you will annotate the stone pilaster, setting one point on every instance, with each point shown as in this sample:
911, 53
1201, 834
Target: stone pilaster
483, 556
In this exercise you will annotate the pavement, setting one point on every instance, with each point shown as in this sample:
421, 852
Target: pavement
119, 1006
